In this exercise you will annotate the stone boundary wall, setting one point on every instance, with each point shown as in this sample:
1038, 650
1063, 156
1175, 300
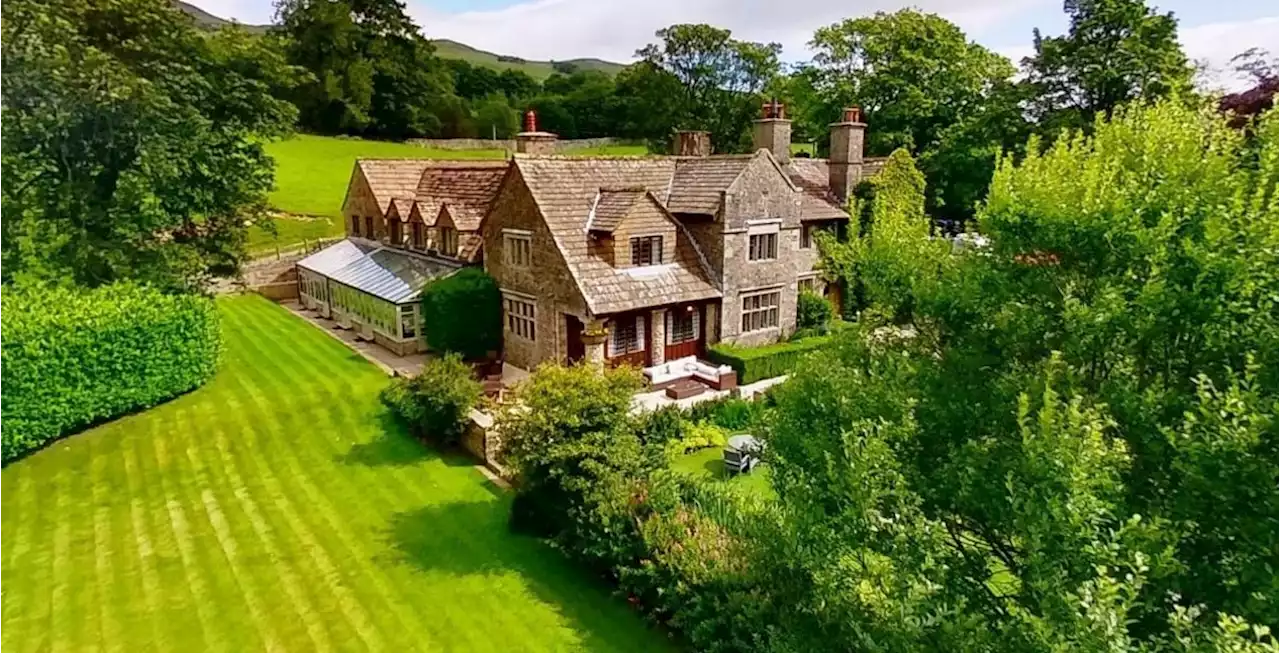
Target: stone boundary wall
510, 144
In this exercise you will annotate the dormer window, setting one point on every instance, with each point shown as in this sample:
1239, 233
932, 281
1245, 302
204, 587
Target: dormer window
368, 226
416, 233
449, 241
646, 250
395, 231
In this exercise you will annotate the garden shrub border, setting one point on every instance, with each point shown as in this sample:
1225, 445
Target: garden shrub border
74, 358
757, 363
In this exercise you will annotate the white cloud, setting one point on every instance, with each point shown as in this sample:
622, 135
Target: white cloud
613, 30
1215, 43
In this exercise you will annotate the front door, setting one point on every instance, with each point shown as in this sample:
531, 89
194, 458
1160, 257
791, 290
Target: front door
575, 349
684, 332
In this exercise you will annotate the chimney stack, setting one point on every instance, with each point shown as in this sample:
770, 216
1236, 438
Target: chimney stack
772, 131
531, 141
692, 143
845, 164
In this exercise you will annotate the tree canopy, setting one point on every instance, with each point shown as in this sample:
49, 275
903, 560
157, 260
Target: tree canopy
133, 142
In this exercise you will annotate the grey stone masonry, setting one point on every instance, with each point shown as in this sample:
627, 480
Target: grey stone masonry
658, 336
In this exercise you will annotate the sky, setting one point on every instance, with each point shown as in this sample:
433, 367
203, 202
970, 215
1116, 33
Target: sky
1211, 32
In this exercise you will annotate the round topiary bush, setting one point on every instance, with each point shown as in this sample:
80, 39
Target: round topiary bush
462, 313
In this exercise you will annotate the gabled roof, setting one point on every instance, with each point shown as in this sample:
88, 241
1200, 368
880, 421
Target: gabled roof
611, 206
566, 189
468, 188
403, 206
699, 181
391, 274
471, 185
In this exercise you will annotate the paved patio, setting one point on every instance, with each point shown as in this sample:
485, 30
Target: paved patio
647, 401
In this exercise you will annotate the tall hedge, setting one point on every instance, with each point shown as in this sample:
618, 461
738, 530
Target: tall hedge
462, 313
74, 357
756, 363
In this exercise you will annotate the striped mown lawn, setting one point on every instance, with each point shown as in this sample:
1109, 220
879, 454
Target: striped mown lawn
277, 508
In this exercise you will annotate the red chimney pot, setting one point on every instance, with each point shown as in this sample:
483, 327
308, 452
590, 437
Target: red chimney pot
530, 121
852, 114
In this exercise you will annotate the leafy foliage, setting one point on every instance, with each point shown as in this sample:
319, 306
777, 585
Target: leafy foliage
435, 403
129, 155
462, 313
923, 86
1115, 51
813, 312
892, 257
73, 358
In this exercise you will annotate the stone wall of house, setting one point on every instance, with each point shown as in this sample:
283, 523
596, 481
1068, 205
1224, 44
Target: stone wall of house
762, 199
359, 204
546, 278
645, 219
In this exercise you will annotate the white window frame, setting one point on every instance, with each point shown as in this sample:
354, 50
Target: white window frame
655, 249
517, 248
765, 231
518, 321
811, 279
763, 316
415, 320
641, 343
696, 314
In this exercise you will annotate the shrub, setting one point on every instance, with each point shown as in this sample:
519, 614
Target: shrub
661, 426
698, 435
462, 313
755, 363
75, 357
733, 413
434, 404
812, 312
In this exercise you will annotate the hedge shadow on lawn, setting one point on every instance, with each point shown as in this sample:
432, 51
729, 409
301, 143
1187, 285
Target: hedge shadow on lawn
394, 447
490, 548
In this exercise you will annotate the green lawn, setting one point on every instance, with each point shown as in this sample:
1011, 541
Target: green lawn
276, 508
709, 463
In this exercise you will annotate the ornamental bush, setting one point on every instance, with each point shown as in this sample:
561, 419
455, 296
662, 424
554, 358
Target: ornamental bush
434, 404
462, 313
813, 312
73, 357
755, 363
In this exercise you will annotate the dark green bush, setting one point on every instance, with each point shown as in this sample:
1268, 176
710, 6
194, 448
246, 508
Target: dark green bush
813, 312
75, 357
661, 426
435, 403
755, 363
462, 313
733, 413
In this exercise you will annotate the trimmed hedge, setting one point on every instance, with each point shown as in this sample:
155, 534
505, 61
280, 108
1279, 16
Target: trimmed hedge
755, 363
73, 357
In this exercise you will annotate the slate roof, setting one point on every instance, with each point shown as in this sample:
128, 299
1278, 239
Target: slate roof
698, 182
566, 189
812, 177
467, 185
391, 274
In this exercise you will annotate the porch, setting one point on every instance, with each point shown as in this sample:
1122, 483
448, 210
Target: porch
643, 338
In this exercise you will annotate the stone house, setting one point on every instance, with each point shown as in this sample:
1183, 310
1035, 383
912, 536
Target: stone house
639, 260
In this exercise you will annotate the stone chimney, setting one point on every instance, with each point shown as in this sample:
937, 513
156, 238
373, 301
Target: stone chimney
692, 143
845, 164
773, 131
532, 141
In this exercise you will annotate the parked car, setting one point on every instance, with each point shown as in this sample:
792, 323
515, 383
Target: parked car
742, 454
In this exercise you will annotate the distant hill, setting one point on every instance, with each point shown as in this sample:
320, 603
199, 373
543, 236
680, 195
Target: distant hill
446, 49
206, 20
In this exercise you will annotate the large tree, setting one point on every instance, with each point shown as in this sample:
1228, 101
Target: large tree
132, 142
700, 77
923, 86
1077, 433
1114, 51
374, 72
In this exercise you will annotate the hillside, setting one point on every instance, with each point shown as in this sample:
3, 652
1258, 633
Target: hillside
446, 49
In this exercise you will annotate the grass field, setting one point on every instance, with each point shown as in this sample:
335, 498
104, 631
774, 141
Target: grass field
709, 463
277, 509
